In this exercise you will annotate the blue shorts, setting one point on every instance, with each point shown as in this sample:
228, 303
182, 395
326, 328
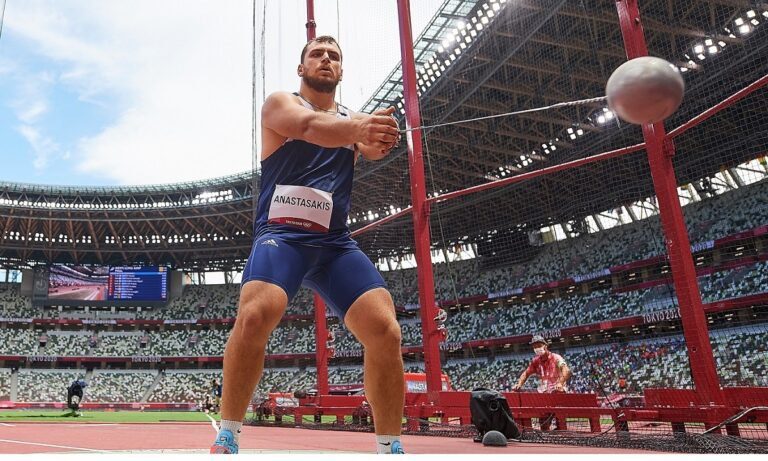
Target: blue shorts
339, 275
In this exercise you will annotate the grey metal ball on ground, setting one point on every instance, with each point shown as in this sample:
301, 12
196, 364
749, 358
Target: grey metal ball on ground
645, 90
494, 439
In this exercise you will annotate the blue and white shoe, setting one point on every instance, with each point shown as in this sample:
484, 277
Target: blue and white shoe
225, 443
397, 448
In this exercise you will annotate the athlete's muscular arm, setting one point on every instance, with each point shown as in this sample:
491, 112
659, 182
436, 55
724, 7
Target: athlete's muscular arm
283, 115
376, 152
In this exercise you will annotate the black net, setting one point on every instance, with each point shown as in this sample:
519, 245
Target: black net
568, 241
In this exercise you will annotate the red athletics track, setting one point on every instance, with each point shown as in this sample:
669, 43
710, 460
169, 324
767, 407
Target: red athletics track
20, 438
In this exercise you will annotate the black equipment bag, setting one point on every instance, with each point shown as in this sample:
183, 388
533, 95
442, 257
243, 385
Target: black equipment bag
490, 412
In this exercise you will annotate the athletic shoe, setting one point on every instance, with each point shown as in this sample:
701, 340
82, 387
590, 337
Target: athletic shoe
397, 449
225, 443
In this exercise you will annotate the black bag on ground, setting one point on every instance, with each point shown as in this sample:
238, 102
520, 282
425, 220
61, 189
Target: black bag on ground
490, 412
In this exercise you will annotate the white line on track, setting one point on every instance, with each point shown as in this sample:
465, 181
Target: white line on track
7, 425
87, 424
49, 445
213, 423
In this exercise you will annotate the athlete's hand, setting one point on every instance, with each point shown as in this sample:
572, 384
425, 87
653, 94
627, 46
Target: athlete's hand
379, 130
389, 111
516, 387
559, 387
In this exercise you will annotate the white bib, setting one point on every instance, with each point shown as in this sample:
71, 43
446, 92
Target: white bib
303, 207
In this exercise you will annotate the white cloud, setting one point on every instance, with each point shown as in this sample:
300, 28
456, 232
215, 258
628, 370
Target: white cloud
6, 66
33, 110
30, 105
176, 75
43, 147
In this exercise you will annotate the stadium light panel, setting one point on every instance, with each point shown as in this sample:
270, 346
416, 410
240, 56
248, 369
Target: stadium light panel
744, 29
751, 14
739, 21
708, 42
713, 49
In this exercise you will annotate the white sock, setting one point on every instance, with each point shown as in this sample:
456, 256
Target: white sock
384, 443
234, 426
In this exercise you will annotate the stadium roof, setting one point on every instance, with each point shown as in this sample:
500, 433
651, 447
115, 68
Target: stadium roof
477, 58
201, 225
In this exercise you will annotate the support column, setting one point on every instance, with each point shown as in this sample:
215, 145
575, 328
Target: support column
660, 153
422, 238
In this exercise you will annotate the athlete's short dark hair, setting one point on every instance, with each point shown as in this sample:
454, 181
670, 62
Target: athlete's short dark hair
320, 39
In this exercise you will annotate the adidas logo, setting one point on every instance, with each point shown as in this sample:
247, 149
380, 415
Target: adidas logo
270, 242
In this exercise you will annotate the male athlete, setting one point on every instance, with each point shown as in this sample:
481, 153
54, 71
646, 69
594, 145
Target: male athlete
309, 148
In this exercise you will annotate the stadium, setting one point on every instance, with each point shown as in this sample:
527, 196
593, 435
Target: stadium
639, 254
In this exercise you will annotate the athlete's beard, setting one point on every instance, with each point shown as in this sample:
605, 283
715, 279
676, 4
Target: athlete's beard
321, 86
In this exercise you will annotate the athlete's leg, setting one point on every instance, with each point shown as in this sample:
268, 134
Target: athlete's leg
261, 306
354, 289
373, 322
271, 278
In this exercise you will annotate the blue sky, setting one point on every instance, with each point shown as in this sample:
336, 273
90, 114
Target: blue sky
104, 92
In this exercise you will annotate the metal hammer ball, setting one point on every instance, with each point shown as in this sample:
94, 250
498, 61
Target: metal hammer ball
645, 90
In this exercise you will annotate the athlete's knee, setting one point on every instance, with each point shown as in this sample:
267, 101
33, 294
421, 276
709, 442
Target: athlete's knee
386, 336
257, 318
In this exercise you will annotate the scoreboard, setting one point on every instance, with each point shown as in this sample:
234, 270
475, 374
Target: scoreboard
137, 283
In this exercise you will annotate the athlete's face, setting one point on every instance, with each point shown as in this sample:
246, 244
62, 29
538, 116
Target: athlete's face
321, 69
